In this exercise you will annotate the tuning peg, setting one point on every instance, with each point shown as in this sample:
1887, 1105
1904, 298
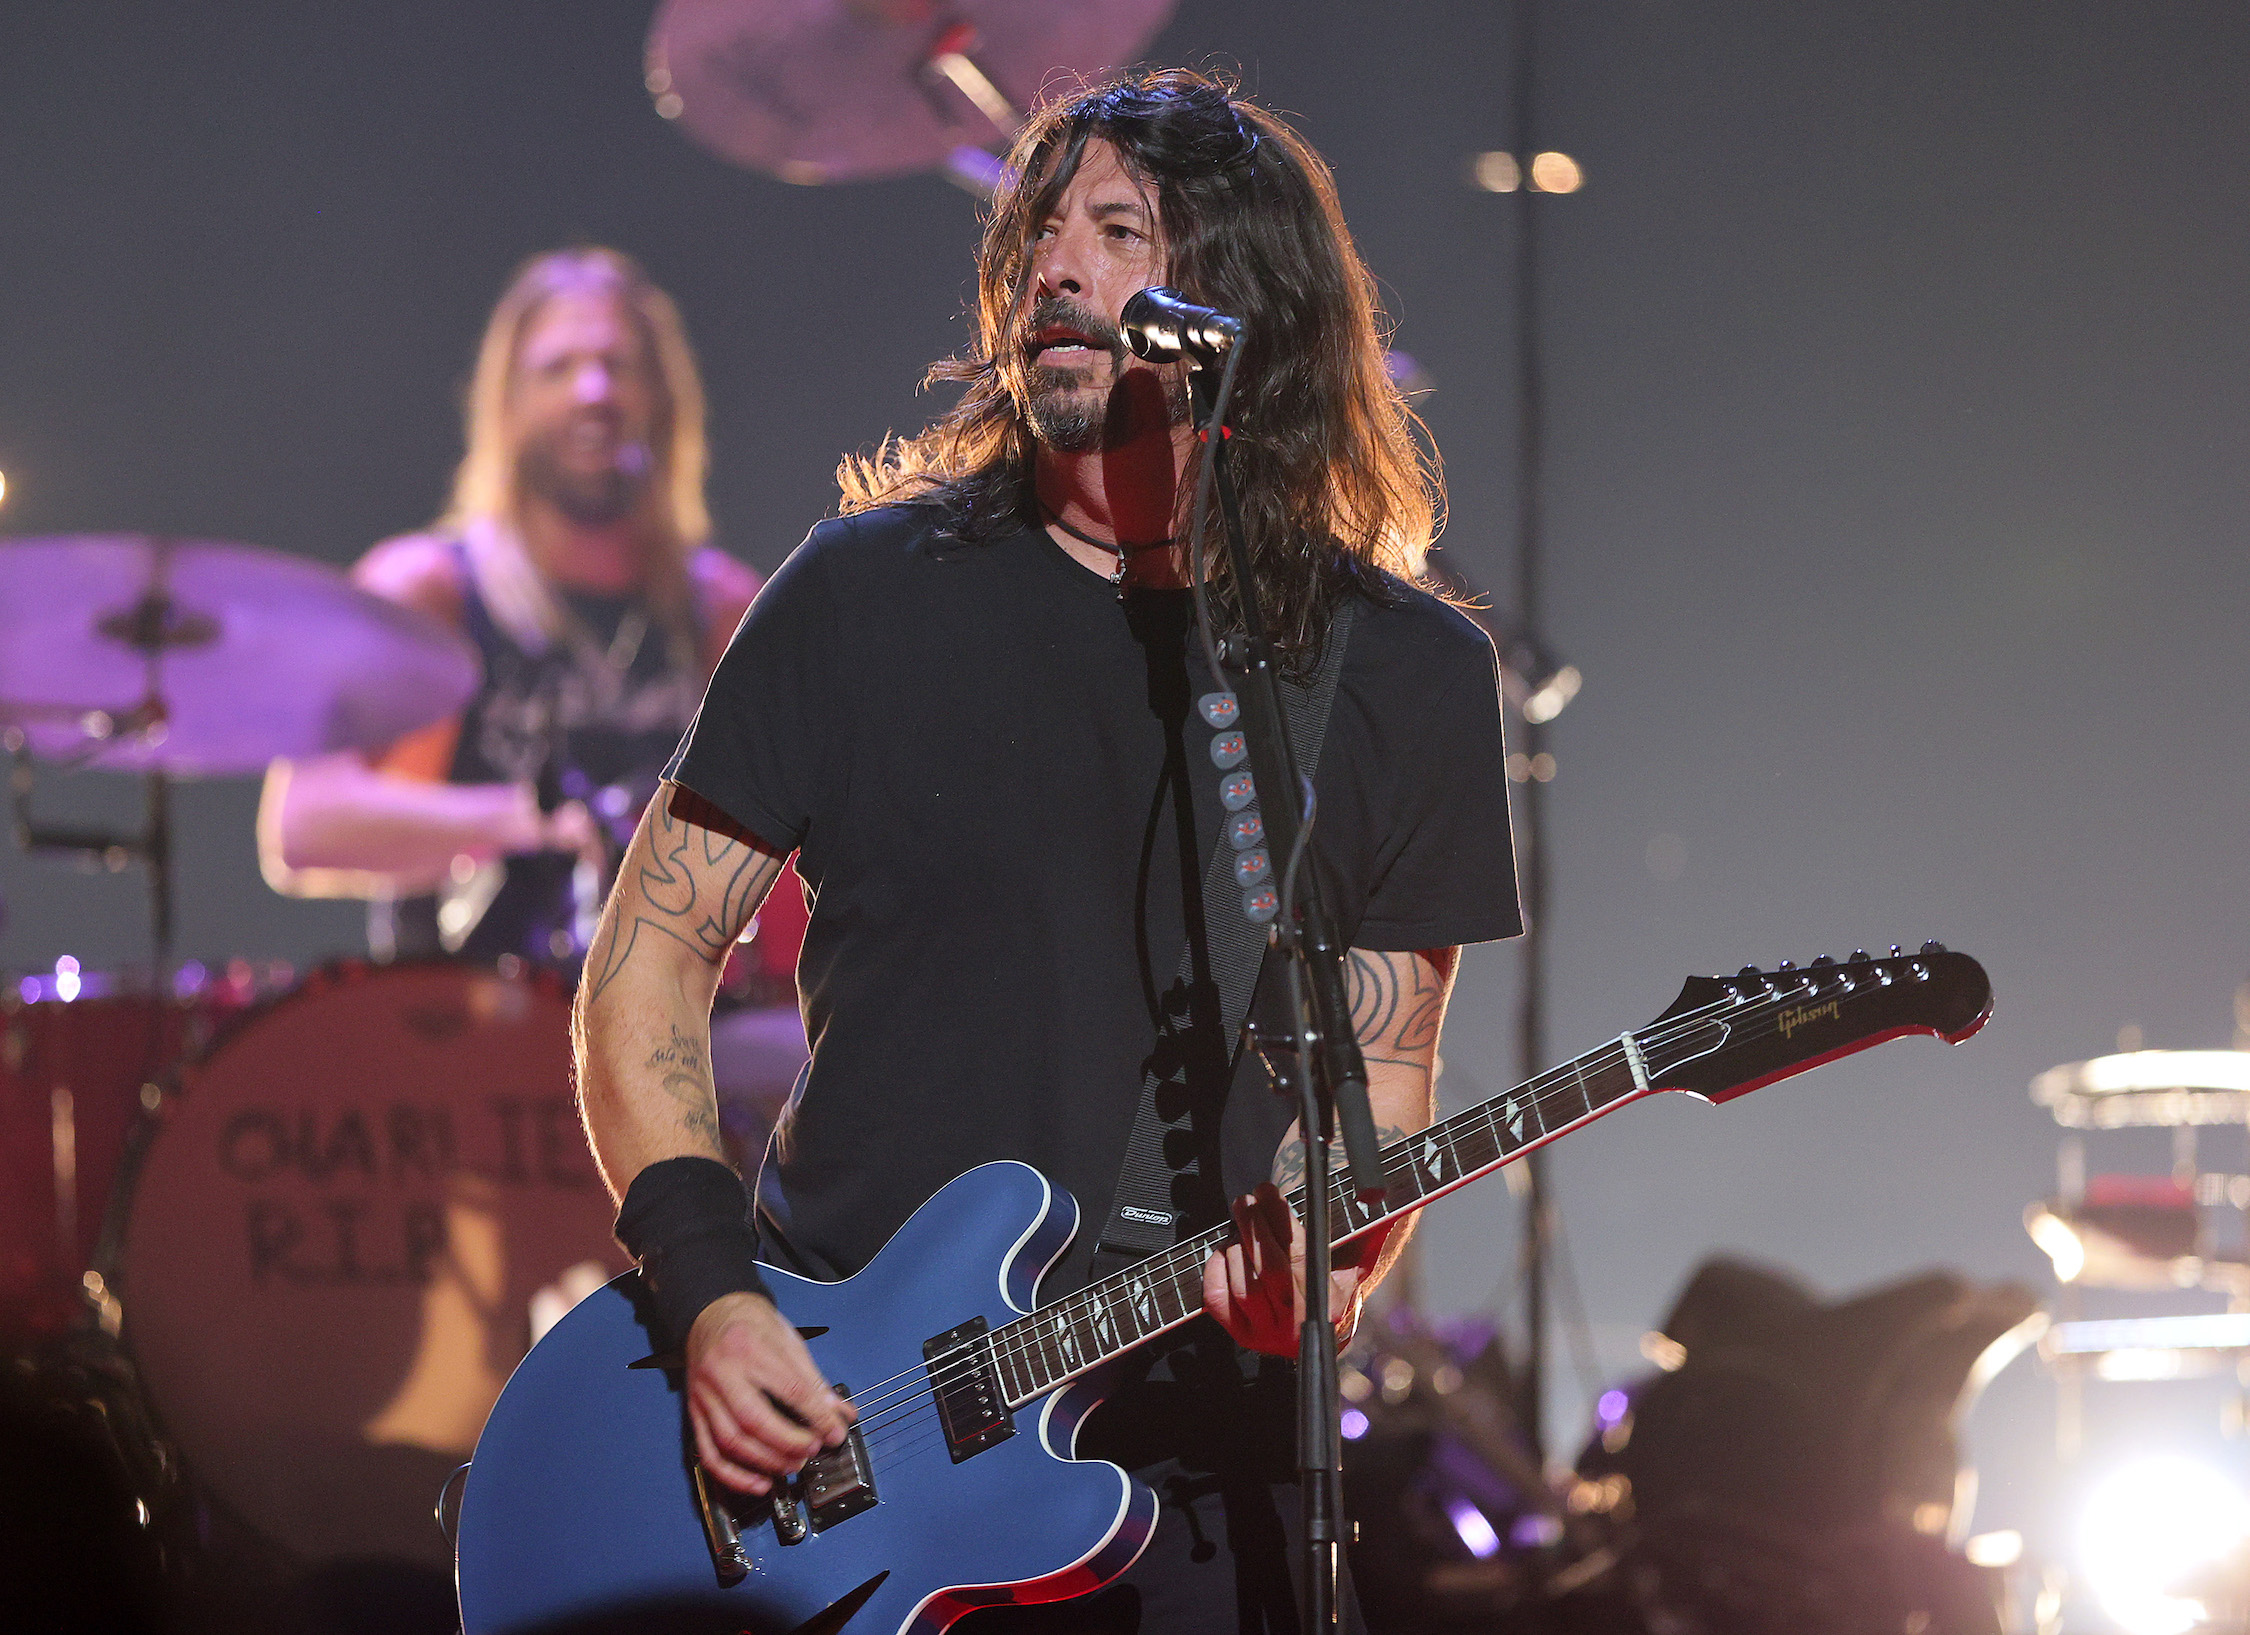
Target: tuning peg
1897, 951
1749, 971
1824, 960
1861, 956
1932, 948
1788, 965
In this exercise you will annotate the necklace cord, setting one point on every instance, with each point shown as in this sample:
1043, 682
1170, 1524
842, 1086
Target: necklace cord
1116, 547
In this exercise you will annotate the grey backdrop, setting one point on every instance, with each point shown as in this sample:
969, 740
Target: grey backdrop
1898, 360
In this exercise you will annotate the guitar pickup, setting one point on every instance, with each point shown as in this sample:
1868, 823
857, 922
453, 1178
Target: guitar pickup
838, 1483
970, 1402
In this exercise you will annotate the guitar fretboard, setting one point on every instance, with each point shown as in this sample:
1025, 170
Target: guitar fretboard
1058, 1342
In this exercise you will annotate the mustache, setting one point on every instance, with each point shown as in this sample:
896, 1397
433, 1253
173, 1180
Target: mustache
1060, 312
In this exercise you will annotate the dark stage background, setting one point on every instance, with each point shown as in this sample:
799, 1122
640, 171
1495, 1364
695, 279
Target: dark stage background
1900, 372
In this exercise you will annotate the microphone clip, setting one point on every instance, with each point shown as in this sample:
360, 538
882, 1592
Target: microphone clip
1162, 325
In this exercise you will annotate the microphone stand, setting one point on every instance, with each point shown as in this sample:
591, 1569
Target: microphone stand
1325, 1070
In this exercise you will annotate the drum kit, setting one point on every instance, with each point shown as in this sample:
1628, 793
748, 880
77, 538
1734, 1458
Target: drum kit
288, 1238
314, 1225
296, 1232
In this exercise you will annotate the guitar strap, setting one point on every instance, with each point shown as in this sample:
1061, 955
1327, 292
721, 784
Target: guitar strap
1162, 1166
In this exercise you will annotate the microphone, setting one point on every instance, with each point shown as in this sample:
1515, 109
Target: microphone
1162, 324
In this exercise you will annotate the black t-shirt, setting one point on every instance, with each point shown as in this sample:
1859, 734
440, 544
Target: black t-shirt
1003, 804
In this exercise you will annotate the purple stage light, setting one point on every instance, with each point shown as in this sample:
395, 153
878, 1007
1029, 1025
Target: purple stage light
1475, 1530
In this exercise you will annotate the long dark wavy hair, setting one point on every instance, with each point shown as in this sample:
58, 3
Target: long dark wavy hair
1337, 491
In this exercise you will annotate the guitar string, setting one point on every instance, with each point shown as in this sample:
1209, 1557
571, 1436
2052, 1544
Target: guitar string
1007, 1345
1181, 1258
1031, 1350
1169, 1267
1030, 1363
1747, 1023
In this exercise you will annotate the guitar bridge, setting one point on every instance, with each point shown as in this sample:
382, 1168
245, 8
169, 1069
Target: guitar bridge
969, 1399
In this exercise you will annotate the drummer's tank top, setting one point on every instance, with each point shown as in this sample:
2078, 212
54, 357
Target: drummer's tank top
592, 718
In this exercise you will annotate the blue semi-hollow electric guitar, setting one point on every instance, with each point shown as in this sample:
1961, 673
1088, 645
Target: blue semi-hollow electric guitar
584, 1512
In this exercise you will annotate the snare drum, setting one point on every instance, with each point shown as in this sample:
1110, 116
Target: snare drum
333, 1246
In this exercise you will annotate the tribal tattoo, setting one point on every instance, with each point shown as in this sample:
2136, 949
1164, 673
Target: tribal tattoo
695, 884
1398, 1004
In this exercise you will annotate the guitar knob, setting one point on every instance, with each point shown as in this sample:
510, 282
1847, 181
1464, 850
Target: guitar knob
1932, 948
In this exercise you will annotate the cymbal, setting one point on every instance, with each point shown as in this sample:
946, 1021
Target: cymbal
845, 90
206, 659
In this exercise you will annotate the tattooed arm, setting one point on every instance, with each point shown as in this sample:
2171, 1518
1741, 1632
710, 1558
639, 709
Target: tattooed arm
690, 881
688, 885
1398, 1007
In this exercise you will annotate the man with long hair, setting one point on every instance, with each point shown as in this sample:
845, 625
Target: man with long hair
575, 554
968, 705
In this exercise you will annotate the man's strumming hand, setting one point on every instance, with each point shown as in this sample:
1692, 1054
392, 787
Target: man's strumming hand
758, 1404
1255, 1287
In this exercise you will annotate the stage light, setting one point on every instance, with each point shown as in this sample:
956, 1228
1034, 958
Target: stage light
2146, 1528
1354, 1425
1553, 693
2001, 1549
67, 980
1497, 172
2063, 1246
3, 488
1556, 173
1473, 1527
1664, 1351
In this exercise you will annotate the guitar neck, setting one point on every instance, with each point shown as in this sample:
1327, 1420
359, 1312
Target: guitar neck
1080, 1332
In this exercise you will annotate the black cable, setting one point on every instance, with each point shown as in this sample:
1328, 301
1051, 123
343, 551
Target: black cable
1214, 434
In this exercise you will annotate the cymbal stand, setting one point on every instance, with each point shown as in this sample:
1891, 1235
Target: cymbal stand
151, 626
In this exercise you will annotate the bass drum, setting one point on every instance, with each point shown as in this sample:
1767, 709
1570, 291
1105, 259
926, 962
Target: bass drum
337, 1238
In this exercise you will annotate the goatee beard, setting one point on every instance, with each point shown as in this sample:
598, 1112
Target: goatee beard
591, 500
1069, 416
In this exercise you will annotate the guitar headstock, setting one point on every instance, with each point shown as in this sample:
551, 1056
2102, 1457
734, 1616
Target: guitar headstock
1725, 1036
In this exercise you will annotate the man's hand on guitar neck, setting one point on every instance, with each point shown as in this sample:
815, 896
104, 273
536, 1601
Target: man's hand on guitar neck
758, 1404
1255, 1287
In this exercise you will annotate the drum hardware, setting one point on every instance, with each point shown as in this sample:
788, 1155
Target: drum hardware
127, 652
2140, 1233
817, 91
233, 656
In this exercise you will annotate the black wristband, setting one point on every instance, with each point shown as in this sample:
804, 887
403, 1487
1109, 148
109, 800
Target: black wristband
687, 1221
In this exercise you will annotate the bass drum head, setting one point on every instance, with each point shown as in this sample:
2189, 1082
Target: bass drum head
335, 1241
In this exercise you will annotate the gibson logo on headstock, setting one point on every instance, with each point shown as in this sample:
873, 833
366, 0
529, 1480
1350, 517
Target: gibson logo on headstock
1804, 1016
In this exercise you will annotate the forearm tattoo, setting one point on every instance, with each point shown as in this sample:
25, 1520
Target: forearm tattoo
1289, 1163
661, 893
686, 1070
